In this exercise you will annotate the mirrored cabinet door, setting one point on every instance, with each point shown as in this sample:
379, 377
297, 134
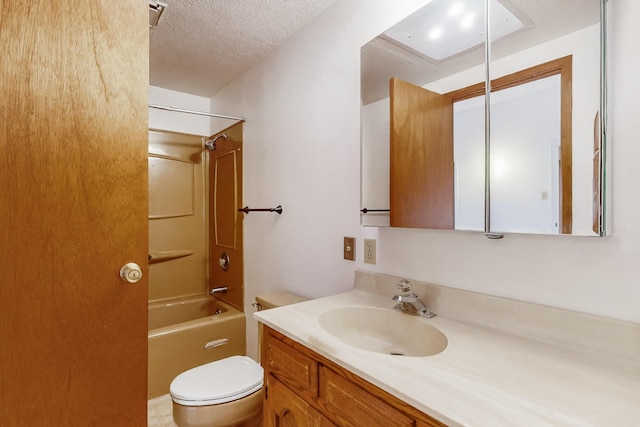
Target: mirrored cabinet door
544, 109
409, 151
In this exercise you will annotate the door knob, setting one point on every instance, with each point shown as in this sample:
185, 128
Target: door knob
131, 272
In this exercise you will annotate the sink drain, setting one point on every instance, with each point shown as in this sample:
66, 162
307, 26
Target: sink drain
396, 353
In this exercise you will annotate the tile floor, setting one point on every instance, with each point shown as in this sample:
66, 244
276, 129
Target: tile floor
159, 412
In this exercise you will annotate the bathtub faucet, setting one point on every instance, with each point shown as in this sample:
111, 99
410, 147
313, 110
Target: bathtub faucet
218, 290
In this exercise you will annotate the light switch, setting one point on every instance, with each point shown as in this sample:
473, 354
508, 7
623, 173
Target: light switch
350, 248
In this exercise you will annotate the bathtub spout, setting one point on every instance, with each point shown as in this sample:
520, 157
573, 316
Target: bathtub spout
218, 290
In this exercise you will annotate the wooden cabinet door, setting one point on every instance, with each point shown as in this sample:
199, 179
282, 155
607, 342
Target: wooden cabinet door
354, 406
285, 409
73, 208
422, 175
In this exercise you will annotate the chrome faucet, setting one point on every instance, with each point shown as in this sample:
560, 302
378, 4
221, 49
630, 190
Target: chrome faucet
408, 300
218, 290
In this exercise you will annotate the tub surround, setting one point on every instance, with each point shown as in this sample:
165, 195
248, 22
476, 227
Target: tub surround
188, 332
506, 362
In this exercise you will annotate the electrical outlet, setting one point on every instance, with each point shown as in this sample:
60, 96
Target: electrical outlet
370, 251
350, 248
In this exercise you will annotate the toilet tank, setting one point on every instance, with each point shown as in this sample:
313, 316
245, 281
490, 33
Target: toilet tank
273, 300
277, 299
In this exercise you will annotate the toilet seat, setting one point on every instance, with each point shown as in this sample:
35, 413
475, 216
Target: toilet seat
217, 382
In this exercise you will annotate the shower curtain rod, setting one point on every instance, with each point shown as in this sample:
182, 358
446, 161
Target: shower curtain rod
199, 113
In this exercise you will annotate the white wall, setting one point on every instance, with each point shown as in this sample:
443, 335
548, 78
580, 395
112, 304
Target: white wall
178, 122
302, 150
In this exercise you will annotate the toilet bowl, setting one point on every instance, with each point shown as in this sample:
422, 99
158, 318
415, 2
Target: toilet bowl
227, 392
223, 393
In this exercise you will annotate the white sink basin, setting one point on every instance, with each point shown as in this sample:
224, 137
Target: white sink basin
384, 331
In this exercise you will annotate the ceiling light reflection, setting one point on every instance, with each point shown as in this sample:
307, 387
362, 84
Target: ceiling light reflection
456, 9
435, 34
456, 34
468, 21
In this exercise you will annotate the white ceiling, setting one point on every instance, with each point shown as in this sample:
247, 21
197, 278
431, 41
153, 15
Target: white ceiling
200, 46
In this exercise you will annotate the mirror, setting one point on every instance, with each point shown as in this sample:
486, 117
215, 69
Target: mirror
543, 157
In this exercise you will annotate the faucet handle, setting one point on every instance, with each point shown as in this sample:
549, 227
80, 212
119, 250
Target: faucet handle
406, 288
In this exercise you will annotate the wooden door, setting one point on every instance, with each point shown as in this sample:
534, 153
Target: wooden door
225, 222
73, 206
422, 180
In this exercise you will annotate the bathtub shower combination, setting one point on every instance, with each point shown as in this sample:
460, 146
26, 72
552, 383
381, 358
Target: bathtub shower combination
187, 327
189, 332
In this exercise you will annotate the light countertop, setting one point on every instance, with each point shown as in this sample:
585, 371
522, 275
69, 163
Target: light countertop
485, 377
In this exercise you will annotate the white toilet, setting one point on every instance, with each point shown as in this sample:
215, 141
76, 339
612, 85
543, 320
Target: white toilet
227, 392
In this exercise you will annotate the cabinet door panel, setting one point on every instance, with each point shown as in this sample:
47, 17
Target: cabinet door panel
354, 406
286, 409
292, 367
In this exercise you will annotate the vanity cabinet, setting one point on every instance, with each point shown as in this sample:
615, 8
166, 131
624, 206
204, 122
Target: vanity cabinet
304, 388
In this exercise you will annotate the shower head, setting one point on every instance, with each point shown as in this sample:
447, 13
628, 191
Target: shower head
156, 8
211, 144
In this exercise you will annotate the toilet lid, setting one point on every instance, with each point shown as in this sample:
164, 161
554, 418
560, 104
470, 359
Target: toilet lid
217, 382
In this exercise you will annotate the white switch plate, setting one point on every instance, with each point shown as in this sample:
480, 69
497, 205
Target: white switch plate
370, 251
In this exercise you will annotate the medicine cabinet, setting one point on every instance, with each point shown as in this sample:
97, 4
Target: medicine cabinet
441, 151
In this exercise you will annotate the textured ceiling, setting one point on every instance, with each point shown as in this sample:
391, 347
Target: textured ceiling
200, 46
